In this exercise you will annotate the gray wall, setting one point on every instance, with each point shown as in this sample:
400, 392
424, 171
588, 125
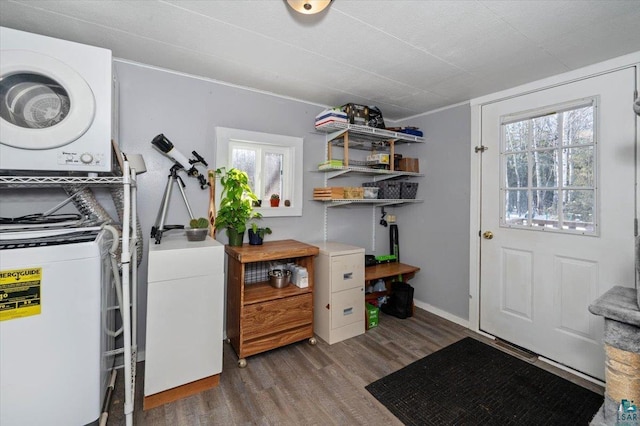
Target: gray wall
435, 235
187, 110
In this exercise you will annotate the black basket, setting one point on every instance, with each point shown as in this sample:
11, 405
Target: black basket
390, 190
409, 190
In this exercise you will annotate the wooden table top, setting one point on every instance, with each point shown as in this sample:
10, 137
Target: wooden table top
271, 250
386, 270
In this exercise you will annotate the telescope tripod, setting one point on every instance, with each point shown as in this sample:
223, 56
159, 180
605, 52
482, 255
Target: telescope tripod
160, 227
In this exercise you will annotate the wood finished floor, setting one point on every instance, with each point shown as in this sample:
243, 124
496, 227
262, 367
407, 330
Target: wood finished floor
310, 385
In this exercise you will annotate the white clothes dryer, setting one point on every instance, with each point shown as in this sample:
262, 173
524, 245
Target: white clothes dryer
55, 104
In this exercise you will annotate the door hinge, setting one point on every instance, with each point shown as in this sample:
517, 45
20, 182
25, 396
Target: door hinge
635, 227
481, 149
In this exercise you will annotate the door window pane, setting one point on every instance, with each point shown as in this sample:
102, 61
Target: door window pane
545, 211
578, 166
516, 136
578, 209
516, 207
545, 131
578, 125
548, 161
544, 169
517, 170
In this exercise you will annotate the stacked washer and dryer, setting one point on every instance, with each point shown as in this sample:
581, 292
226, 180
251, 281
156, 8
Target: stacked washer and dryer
56, 291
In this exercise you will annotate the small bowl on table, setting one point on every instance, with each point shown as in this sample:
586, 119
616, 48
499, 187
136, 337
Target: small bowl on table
279, 278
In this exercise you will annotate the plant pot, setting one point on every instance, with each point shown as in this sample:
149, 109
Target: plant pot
275, 202
196, 234
235, 237
254, 238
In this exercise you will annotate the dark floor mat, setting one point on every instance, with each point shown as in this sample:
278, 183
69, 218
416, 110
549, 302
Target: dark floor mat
471, 383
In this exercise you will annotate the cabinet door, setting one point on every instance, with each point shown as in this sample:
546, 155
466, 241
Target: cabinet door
347, 272
184, 332
347, 307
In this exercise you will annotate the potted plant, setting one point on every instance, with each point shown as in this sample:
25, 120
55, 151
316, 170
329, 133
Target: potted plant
197, 230
256, 234
236, 204
275, 200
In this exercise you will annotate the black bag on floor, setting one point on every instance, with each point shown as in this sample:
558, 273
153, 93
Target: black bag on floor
400, 303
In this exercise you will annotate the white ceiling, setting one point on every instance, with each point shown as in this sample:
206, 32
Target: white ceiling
406, 57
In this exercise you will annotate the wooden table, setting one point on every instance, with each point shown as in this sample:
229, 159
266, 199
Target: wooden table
389, 272
260, 317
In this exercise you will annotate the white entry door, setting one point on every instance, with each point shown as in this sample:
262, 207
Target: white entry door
557, 215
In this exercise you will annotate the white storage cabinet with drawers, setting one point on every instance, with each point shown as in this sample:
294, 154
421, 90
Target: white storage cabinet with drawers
339, 293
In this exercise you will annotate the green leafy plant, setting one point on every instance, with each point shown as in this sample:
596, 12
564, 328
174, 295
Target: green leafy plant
201, 222
236, 204
275, 197
260, 231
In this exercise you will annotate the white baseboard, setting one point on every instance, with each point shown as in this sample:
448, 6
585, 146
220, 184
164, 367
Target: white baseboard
439, 312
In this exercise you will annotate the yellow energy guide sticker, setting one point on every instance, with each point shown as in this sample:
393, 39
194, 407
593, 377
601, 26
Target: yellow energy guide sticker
20, 291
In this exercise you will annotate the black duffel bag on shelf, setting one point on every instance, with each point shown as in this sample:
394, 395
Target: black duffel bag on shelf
400, 302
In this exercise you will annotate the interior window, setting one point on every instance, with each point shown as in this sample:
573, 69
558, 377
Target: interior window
548, 165
265, 165
272, 162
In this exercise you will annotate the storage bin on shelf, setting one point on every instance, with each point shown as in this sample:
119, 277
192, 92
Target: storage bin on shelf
371, 192
408, 190
353, 192
409, 165
390, 190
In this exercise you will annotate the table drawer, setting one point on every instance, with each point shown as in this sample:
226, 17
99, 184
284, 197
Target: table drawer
260, 319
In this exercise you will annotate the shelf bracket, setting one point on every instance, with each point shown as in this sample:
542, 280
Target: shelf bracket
336, 173
336, 135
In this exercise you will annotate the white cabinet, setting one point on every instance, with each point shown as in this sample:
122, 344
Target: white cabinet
339, 293
185, 294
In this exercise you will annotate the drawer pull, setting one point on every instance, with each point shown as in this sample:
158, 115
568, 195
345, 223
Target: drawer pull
347, 311
348, 276
328, 307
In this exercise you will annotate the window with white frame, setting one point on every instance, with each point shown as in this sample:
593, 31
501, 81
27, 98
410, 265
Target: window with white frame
548, 166
272, 162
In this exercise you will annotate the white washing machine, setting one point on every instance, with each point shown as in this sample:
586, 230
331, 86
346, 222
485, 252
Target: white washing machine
54, 352
55, 104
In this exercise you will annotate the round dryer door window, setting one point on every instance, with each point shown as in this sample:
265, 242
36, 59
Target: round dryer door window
44, 103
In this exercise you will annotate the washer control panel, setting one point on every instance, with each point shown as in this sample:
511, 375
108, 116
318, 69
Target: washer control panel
80, 158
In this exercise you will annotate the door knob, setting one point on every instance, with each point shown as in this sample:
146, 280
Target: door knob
488, 235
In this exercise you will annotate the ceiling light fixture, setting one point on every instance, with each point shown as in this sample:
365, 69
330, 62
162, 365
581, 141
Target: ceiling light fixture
309, 7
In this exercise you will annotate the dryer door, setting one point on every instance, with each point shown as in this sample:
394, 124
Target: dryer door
44, 103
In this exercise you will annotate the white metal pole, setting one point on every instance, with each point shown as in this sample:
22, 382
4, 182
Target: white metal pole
126, 295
